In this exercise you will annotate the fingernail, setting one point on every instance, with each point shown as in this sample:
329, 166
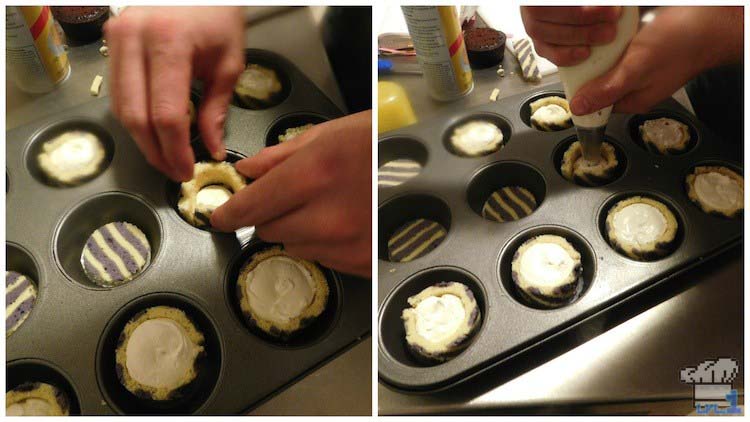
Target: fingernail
220, 154
579, 105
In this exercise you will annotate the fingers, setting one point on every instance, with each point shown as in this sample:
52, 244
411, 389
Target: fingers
562, 34
289, 185
128, 88
256, 166
217, 95
603, 91
169, 61
562, 55
573, 15
344, 257
314, 222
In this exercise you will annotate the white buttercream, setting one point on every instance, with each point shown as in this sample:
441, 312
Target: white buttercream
477, 137
211, 197
546, 264
439, 317
279, 289
639, 224
29, 407
718, 191
664, 132
74, 150
550, 113
159, 353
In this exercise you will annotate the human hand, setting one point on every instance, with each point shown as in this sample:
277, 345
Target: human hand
564, 34
676, 46
313, 194
154, 53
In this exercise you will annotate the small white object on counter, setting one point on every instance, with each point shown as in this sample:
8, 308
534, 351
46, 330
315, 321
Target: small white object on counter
495, 93
96, 85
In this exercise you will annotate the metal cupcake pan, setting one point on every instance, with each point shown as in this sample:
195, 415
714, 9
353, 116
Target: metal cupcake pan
70, 334
451, 190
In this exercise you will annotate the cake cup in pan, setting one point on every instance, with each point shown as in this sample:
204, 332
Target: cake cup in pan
190, 398
311, 331
25, 374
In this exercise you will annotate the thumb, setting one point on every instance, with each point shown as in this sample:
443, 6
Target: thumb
268, 158
602, 91
213, 111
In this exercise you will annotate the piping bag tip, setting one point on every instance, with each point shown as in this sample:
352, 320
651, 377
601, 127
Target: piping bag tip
244, 234
591, 139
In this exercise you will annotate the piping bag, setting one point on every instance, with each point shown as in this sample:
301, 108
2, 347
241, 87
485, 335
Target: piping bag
590, 127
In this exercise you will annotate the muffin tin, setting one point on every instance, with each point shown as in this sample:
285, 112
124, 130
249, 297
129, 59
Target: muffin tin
451, 190
70, 336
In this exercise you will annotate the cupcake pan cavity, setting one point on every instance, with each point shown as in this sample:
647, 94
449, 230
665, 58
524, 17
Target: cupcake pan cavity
173, 188
316, 331
463, 118
516, 335
58, 127
562, 147
270, 61
280, 126
21, 371
81, 221
193, 395
678, 215
399, 211
72, 317
711, 163
504, 174
588, 263
391, 326
525, 112
636, 121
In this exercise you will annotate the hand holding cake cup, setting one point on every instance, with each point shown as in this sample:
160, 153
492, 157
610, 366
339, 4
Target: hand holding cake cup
312, 194
154, 53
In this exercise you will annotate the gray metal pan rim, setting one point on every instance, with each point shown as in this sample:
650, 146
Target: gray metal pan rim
62, 219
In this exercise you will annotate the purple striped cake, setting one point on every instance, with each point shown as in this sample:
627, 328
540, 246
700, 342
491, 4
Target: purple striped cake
115, 253
20, 296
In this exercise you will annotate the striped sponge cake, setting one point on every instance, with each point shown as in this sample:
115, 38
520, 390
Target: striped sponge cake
115, 253
20, 296
396, 172
415, 239
508, 204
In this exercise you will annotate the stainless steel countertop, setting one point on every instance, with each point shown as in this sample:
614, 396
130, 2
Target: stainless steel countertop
632, 368
343, 386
